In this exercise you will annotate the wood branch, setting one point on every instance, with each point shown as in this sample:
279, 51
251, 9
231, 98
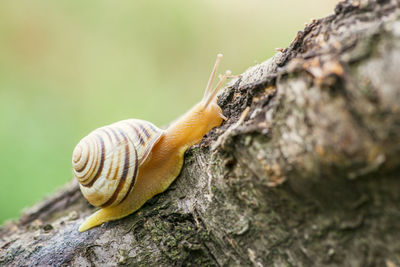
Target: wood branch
309, 177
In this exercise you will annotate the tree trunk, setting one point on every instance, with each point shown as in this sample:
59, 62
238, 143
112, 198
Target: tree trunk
309, 177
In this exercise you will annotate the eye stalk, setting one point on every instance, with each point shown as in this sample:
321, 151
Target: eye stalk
214, 92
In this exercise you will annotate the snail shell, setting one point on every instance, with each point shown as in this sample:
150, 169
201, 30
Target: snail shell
106, 162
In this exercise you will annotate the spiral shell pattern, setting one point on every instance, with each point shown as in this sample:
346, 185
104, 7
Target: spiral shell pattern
106, 162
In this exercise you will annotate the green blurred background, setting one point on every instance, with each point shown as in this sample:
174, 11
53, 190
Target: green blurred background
68, 67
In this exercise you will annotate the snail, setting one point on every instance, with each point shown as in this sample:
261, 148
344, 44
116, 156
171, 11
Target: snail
121, 166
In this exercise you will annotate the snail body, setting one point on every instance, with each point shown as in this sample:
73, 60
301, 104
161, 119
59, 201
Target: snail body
122, 165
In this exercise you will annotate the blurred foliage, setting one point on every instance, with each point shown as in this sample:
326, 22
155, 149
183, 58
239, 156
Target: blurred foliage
68, 67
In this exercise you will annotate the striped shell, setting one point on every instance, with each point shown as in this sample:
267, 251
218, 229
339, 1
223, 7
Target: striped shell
106, 162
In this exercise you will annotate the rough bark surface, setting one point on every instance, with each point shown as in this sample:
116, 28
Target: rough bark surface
310, 177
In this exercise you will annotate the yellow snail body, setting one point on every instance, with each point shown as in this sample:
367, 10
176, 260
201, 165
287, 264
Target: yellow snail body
122, 165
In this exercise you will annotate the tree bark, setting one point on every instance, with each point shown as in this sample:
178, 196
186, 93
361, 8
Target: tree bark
308, 177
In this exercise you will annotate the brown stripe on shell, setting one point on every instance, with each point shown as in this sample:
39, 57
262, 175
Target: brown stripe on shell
152, 127
100, 168
144, 130
119, 156
123, 176
135, 173
109, 202
112, 156
141, 141
126, 165
93, 164
84, 164
115, 134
